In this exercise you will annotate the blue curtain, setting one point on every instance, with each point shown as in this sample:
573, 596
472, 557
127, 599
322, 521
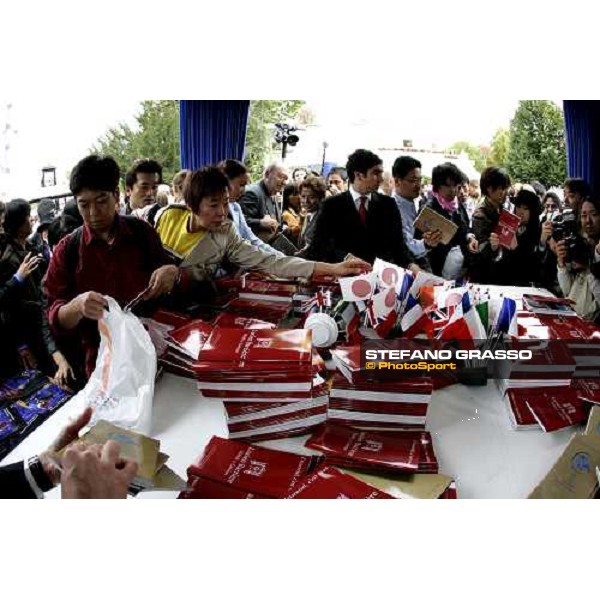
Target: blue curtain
212, 130
582, 127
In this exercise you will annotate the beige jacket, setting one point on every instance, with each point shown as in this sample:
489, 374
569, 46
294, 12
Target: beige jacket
202, 262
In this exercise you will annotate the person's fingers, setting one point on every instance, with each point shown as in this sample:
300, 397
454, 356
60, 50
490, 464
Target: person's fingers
129, 470
71, 431
110, 452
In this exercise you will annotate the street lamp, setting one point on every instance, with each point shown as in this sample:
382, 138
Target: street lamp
284, 136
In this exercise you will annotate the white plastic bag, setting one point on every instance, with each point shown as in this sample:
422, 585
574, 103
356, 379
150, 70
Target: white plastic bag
121, 387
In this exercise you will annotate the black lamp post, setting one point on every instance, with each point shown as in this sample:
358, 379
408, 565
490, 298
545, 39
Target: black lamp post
284, 136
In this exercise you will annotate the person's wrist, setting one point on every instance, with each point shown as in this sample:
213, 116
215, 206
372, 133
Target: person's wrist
19, 277
41, 471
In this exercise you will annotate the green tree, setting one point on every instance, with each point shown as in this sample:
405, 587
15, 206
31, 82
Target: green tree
537, 143
155, 136
499, 149
475, 153
259, 135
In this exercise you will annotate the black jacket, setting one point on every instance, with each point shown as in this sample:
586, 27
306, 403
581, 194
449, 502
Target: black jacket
257, 203
339, 231
437, 256
13, 483
22, 304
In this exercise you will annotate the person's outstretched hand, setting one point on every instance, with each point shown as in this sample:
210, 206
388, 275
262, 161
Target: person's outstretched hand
96, 472
69, 433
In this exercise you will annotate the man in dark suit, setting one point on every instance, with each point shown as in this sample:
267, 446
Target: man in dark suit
260, 207
361, 222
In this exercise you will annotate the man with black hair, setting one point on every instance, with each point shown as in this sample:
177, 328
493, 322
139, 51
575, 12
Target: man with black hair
141, 184
449, 260
406, 172
361, 222
494, 184
575, 190
111, 254
337, 180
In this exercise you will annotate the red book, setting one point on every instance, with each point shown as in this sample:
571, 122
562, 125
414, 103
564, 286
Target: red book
252, 397
268, 290
304, 419
379, 408
557, 409
205, 489
409, 390
368, 450
587, 390
190, 338
375, 425
257, 309
507, 226
519, 413
234, 321
329, 483
240, 347
271, 473
168, 317
449, 493
544, 305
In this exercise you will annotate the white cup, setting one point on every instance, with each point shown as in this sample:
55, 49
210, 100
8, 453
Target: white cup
324, 330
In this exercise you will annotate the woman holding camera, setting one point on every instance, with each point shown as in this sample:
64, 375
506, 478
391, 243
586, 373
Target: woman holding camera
23, 314
578, 261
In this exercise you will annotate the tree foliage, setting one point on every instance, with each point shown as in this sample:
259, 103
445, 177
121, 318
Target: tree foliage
155, 136
259, 135
499, 149
475, 153
537, 149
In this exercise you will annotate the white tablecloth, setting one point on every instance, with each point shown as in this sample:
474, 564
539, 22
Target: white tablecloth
470, 428
471, 433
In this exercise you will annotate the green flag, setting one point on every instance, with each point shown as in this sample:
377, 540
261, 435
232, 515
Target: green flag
483, 311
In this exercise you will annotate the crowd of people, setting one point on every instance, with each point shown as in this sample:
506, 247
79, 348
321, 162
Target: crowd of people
172, 243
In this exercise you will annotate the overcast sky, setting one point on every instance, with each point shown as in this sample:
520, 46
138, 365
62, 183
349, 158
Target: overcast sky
61, 129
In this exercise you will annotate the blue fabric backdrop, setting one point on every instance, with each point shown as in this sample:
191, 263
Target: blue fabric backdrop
212, 130
582, 127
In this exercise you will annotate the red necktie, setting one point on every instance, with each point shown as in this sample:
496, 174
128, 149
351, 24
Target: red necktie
362, 210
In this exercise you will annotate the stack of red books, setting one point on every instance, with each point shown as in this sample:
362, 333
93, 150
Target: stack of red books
232, 469
347, 362
263, 420
546, 408
183, 347
273, 312
581, 337
393, 452
551, 365
256, 360
382, 405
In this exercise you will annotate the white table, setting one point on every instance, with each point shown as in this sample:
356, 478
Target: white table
469, 425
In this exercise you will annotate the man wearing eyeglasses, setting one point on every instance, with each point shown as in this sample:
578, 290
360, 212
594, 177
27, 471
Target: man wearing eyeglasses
407, 188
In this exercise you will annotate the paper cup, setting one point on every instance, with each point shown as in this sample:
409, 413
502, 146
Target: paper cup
324, 330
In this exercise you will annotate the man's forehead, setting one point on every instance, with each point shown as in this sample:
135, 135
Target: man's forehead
86, 194
147, 178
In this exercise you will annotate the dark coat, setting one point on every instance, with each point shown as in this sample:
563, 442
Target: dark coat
339, 231
256, 203
437, 256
